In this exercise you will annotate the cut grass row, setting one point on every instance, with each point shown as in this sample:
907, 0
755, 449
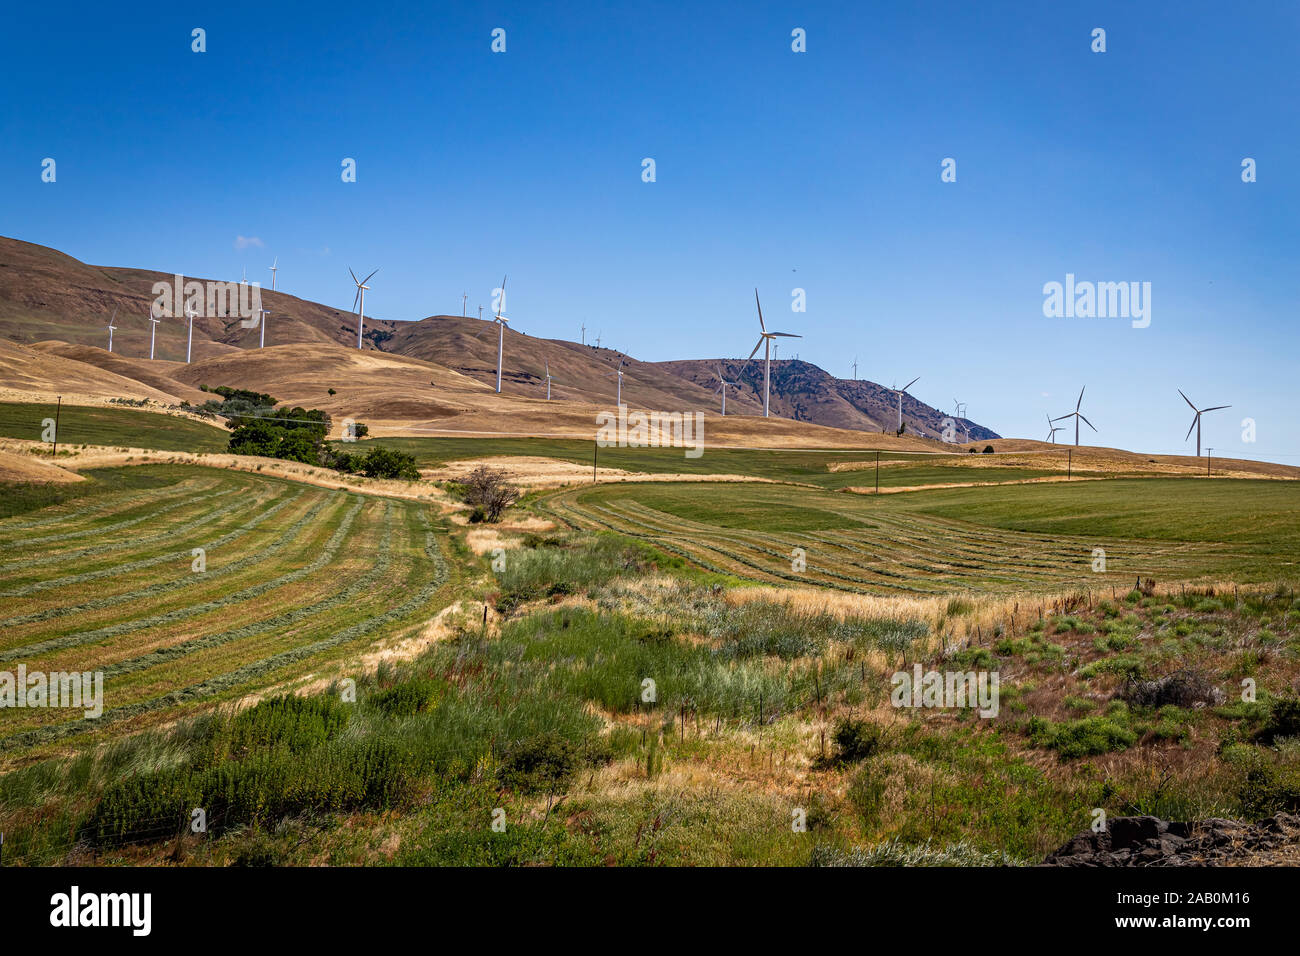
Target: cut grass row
879, 545
288, 597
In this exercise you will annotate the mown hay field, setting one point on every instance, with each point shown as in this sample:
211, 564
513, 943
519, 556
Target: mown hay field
289, 577
1012, 538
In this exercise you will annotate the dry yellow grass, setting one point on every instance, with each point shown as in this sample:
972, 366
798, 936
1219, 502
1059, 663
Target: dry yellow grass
98, 456
18, 465
486, 540
535, 472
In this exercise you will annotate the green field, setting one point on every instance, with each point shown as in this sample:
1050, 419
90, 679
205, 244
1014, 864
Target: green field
762, 706
295, 576
806, 467
118, 427
1022, 537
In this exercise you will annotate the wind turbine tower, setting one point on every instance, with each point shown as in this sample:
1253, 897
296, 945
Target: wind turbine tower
901, 392
1196, 421
189, 344
765, 343
1077, 416
360, 300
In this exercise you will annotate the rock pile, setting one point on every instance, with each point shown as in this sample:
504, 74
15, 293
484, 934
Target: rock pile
1150, 841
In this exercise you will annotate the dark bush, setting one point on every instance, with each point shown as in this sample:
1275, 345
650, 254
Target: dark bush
856, 740
1283, 720
407, 698
486, 491
1182, 688
542, 763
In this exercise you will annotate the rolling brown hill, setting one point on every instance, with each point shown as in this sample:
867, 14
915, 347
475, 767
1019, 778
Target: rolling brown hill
51, 300
805, 392
579, 372
46, 295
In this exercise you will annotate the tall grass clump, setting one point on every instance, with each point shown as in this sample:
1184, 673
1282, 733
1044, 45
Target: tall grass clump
557, 566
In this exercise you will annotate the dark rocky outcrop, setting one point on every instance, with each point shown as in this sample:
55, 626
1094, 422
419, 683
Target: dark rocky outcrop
1150, 841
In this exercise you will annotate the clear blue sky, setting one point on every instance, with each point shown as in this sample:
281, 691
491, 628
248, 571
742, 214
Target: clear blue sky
779, 170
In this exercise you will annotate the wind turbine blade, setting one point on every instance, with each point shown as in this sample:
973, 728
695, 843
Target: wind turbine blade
1079, 403
761, 340
276, 262
353, 274
1191, 426
784, 335
1215, 408
1090, 425
911, 383
760, 311
1061, 418
356, 299
1187, 400
369, 277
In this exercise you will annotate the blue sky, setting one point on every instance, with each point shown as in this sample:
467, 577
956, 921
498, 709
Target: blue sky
781, 170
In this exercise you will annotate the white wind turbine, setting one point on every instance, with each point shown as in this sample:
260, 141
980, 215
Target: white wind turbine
1077, 415
722, 387
189, 345
765, 343
360, 300
618, 373
1196, 422
274, 265
901, 392
1052, 429
264, 313
548, 381
501, 322
855, 368
243, 277
153, 329
111, 327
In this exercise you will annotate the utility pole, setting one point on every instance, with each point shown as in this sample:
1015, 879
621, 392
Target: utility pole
464, 301
877, 472
595, 450
1209, 453
57, 410
1069, 463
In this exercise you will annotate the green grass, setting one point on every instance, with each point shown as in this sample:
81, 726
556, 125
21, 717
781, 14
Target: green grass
117, 427
103, 490
985, 538
296, 576
808, 467
1237, 511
